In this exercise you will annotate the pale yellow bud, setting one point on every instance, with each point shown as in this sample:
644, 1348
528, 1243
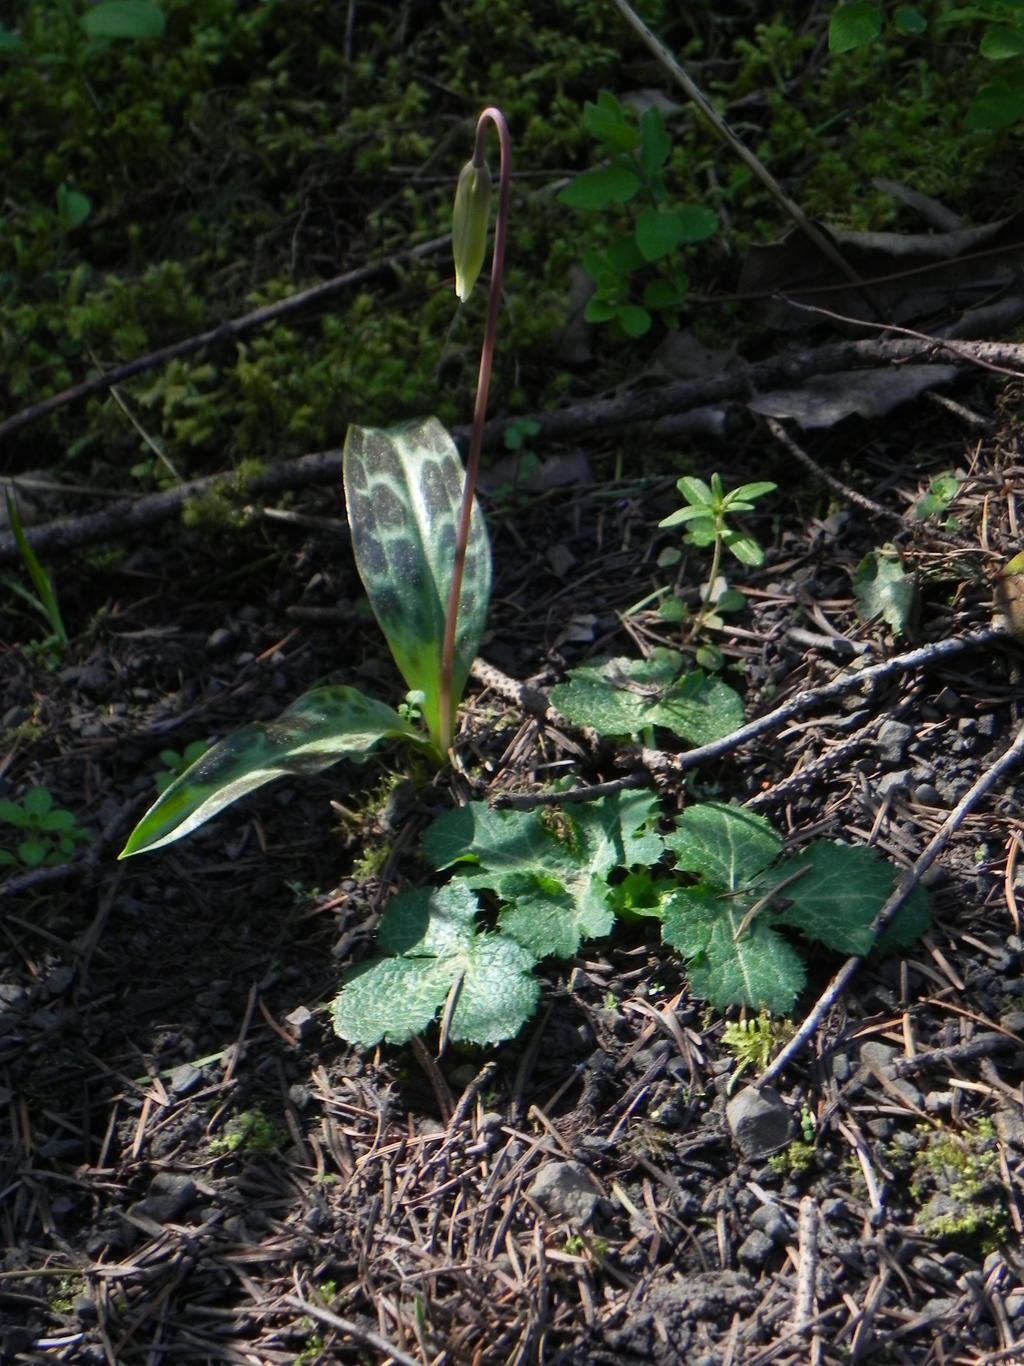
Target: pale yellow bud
469, 226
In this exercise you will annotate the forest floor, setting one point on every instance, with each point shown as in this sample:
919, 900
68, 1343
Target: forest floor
197, 1170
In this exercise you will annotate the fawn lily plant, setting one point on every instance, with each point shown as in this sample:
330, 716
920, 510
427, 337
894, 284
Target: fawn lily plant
422, 552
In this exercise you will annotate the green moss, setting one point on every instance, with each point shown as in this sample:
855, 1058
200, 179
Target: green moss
251, 1131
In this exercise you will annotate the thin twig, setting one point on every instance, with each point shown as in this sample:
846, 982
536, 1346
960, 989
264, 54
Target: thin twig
1008, 760
807, 1246
836, 485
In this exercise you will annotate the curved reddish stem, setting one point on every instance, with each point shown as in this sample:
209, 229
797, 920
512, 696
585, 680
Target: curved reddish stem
483, 383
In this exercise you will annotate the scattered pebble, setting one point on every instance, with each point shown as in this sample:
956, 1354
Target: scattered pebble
759, 1121
565, 1188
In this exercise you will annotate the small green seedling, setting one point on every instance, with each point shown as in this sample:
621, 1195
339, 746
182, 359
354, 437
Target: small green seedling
175, 764
422, 552
44, 599
637, 151
706, 514
48, 834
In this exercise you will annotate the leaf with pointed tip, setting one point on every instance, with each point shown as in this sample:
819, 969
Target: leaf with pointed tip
728, 962
841, 889
403, 488
323, 726
725, 844
437, 952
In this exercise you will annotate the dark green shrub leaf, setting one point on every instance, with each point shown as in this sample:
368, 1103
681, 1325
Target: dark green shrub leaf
604, 185
697, 222
854, 25
655, 143
909, 21
998, 44
123, 19
998, 104
657, 233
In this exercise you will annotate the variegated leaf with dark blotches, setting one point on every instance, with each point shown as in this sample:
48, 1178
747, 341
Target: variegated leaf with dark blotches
403, 487
323, 726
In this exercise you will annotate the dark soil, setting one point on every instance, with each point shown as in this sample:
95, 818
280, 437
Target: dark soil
197, 1170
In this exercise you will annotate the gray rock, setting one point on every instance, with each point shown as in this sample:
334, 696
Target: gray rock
300, 1021
927, 794
893, 738
759, 1121
169, 1194
755, 1249
565, 1188
897, 780
184, 1079
773, 1221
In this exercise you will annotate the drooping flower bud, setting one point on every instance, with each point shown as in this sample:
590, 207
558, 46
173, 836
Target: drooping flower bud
469, 225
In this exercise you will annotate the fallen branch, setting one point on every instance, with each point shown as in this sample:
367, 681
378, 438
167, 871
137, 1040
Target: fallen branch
625, 408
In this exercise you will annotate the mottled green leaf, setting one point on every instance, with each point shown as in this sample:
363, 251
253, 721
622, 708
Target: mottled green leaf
882, 589
437, 952
323, 726
725, 844
728, 963
403, 487
626, 696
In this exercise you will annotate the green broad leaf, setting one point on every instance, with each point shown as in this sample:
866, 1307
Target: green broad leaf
837, 894
663, 294
599, 311
13, 813
854, 25
999, 43
728, 963
655, 143
604, 185
73, 207
697, 223
403, 488
623, 256
882, 589
742, 498
437, 952
692, 513
657, 233
323, 726
551, 872
909, 21
998, 104
33, 852
626, 696
726, 845
38, 802
608, 123
634, 320
695, 491
123, 19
